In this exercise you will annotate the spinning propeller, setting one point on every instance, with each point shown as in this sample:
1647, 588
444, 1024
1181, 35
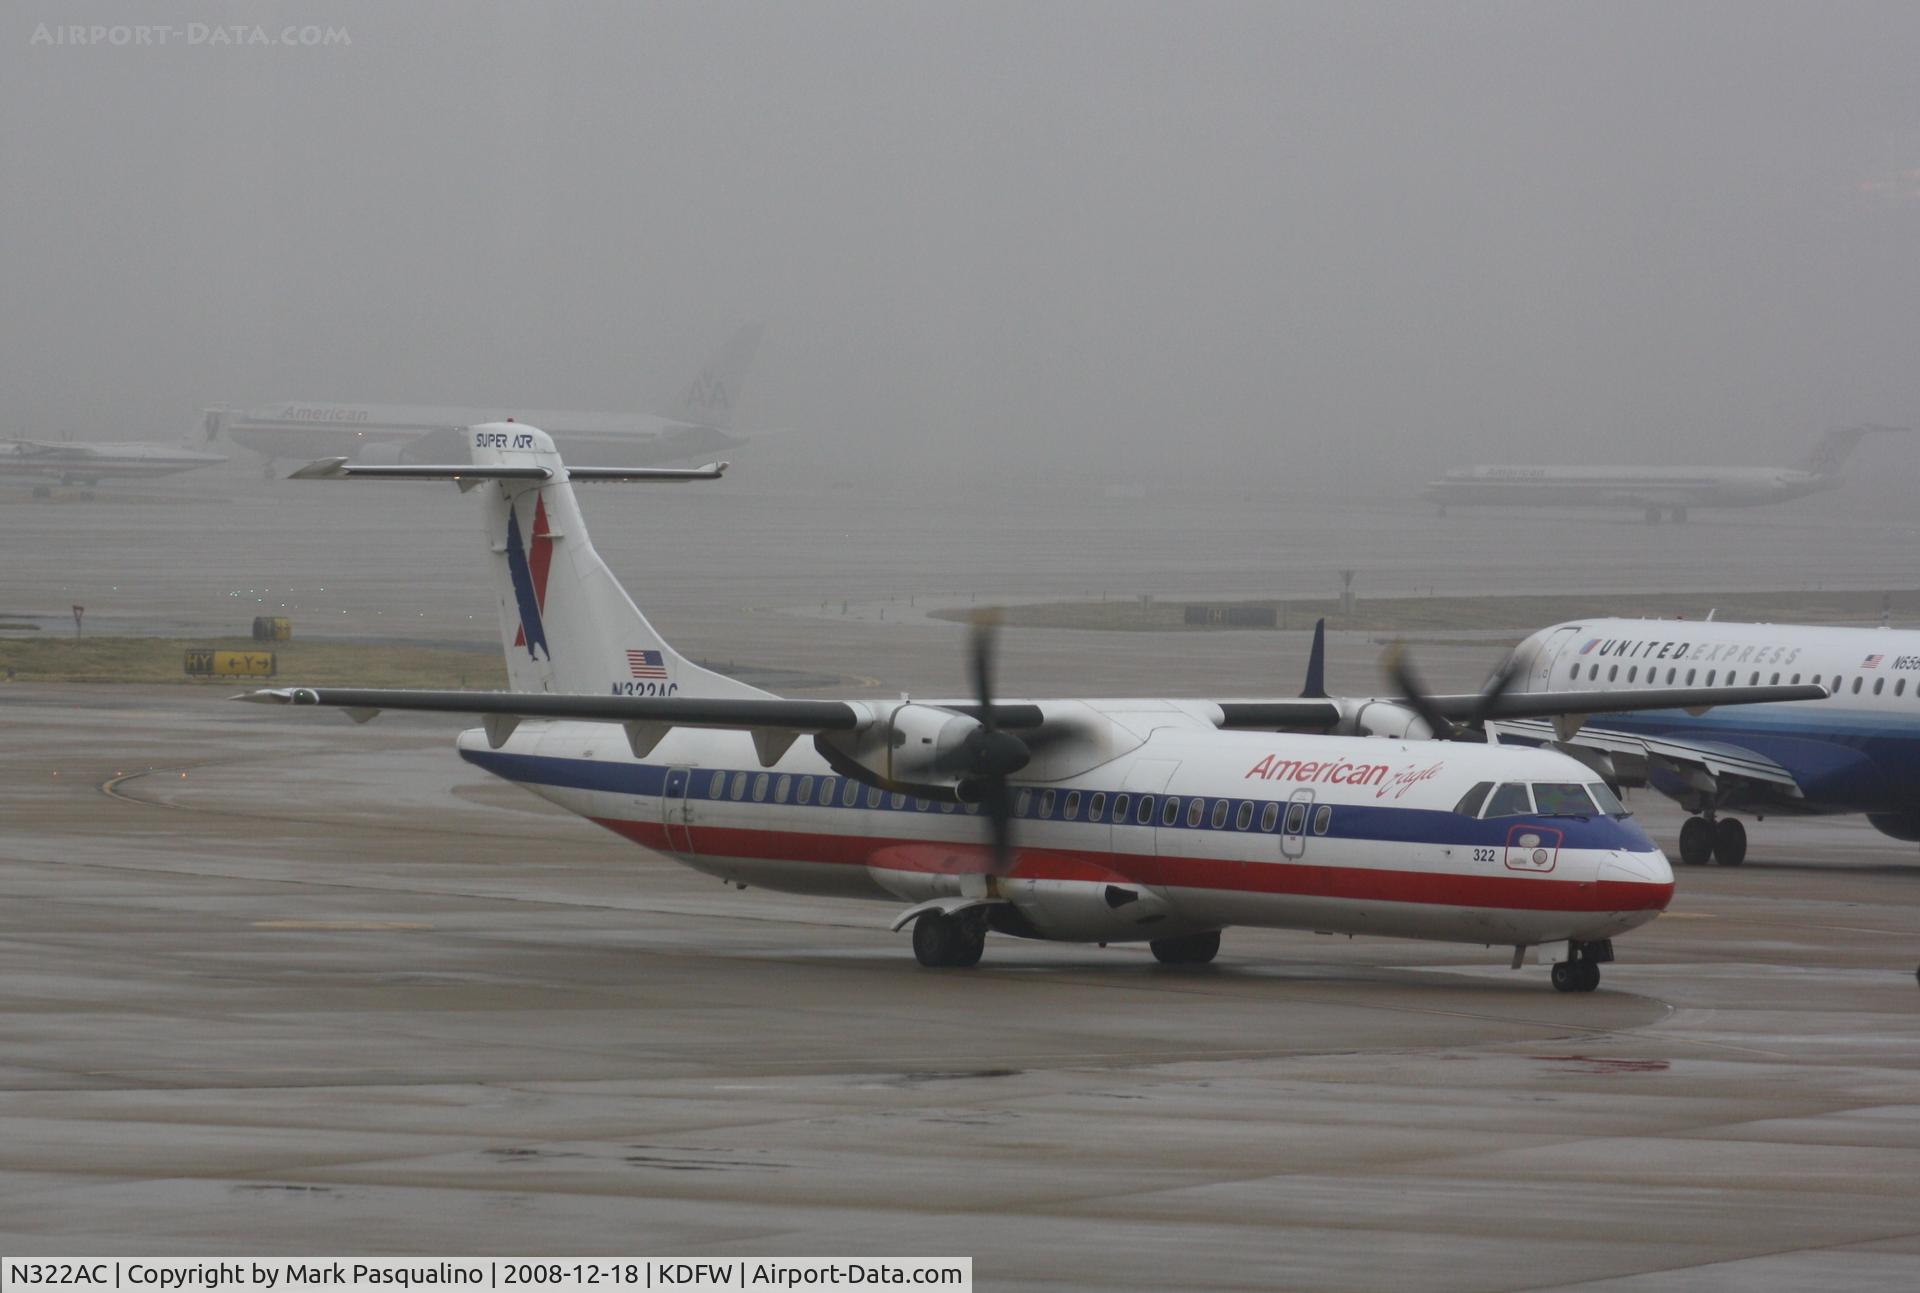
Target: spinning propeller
991, 754
1399, 668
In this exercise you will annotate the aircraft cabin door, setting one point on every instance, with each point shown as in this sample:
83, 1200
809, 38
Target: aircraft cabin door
1144, 785
1540, 672
1293, 826
676, 810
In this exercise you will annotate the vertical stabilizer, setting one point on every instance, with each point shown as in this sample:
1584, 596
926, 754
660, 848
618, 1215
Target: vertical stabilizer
566, 623
1831, 452
710, 399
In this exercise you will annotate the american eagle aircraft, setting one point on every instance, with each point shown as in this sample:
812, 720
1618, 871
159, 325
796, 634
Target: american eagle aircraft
1146, 820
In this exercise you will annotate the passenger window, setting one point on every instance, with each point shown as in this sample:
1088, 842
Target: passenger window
1558, 799
1689, 677
873, 796
1269, 817
718, 786
850, 793
1878, 683
1899, 686
1244, 817
1144, 813
1196, 809
1633, 673
760, 788
1322, 819
1774, 681
1593, 671
1856, 685
1510, 800
1670, 674
1097, 808
1613, 672
1469, 805
1170, 810
1120, 805
1046, 803
947, 805
1022, 802
1219, 813
1754, 681
782, 788
1710, 674
739, 789
1796, 680
826, 792
803, 794
1296, 818
1073, 805
1574, 672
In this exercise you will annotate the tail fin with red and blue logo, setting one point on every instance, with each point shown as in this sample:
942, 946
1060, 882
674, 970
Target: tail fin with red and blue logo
567, 624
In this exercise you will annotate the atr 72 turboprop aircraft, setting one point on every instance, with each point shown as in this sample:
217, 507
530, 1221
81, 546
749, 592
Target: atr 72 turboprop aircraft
1857, 751
85, 462
1147, 820
1661, 491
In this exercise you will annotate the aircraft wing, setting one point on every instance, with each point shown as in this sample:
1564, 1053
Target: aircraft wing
42, 449
1703, 764
1311, 714
775, 723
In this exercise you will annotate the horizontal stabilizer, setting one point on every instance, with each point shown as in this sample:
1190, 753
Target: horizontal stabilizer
469, 474
673, 711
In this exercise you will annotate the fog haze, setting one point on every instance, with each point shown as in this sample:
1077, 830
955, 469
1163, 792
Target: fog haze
1295, 242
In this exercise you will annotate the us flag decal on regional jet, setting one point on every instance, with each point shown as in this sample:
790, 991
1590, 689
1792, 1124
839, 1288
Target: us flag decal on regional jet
529, 572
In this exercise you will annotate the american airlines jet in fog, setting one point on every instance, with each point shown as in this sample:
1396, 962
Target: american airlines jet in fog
1660, 491
698, 423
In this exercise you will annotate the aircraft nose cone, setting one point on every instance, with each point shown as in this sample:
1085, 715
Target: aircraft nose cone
1636, 881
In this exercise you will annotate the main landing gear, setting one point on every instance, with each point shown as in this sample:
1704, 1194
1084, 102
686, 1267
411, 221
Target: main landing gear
1710, 839
1582, 972
1189, 949
941, 941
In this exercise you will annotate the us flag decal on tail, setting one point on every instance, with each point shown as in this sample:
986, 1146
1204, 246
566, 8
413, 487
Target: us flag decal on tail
646, 664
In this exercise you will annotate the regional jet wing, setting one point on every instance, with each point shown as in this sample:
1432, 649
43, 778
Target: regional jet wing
1571, 707
1704, 763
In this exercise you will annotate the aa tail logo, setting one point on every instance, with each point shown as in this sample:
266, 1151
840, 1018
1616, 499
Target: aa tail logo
529, 571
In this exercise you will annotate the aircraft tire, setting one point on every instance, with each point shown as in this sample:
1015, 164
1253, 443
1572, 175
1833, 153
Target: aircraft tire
1696, 841
1567, 976
1729, 842
1189, 949
970, 939
1589, 975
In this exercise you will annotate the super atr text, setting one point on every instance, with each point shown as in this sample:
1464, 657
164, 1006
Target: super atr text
549, 1274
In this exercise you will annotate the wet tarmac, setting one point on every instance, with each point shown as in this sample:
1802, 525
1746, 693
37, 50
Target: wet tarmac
271, 982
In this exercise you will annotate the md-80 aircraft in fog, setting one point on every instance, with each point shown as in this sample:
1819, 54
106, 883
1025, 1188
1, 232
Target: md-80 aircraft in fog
699, 423
1149, 820
1658, 491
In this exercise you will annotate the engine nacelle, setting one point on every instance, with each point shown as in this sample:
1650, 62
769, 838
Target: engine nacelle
909, 744
1384, 718
381, 453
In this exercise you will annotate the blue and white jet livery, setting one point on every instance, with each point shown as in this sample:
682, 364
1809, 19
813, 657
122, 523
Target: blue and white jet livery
1857, 751
1147, 820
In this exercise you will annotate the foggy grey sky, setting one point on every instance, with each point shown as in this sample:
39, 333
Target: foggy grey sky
1189, 237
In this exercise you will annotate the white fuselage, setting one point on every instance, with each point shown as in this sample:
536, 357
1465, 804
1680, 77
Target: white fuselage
1188, 830
1857, 751
84, 462
1549, 486
431, 433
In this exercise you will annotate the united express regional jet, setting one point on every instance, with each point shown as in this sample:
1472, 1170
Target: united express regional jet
1855, 751
1148, 820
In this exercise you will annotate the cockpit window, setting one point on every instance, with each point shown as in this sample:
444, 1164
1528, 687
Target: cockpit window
1469, 805
1562, 799
1609, 802
1510, 800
